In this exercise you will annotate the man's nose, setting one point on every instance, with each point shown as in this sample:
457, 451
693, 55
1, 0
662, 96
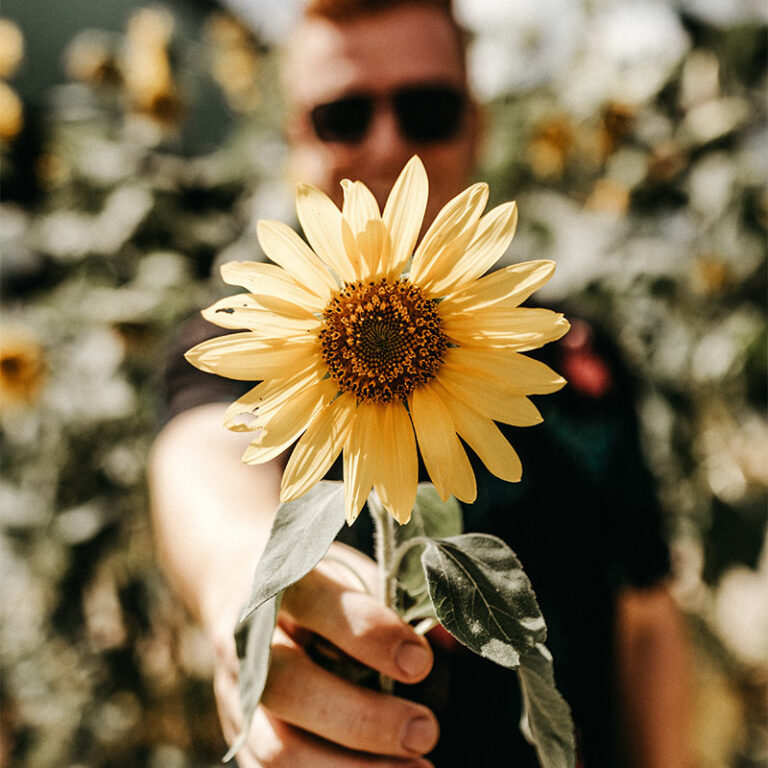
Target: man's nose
384, 142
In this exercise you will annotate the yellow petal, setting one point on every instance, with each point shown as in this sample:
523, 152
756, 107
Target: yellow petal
267, 397
235, 312
318, 448
268, 281
442, 451
497, 401
288, 250
483, 437
395, 461
243, 310
359, 206
404, 213
289, 422
245, 357
450, 233
508, 286
321, 221
520, 373
361, 212
521, 329
359, 460
492, 237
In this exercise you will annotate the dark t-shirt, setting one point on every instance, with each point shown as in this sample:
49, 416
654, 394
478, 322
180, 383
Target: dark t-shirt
584, 521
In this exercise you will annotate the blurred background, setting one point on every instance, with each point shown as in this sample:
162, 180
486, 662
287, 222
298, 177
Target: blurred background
139, 146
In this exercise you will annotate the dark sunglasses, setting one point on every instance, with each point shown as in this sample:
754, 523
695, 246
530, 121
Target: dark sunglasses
425, 113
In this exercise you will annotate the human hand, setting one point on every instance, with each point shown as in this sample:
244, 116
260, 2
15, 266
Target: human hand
309, 716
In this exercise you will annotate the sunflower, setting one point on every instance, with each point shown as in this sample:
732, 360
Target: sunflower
367, 343
22, 368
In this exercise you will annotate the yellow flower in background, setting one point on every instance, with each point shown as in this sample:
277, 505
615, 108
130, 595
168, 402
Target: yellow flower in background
356, 355
11, 47
22, 368
11, 113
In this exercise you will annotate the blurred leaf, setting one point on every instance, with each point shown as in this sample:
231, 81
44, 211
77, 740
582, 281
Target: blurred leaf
254, 649
547, 719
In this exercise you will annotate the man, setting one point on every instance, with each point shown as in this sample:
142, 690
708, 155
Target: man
357, 74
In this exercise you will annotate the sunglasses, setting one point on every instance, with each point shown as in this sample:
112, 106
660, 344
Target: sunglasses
424, 113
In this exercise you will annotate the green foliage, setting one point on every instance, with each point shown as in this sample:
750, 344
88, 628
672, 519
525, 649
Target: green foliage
482, 596
431, 518
301, 534
254, 641
546, 718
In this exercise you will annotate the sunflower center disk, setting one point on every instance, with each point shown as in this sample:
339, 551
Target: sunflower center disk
382, 339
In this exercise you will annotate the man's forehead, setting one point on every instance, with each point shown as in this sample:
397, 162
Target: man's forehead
373, 52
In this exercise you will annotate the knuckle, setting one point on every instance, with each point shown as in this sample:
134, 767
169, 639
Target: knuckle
379, 726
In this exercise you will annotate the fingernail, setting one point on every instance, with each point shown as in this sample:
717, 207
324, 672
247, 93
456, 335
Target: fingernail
420, 735
412, 658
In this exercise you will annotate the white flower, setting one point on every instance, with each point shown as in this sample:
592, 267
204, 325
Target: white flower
519, 45
633, 48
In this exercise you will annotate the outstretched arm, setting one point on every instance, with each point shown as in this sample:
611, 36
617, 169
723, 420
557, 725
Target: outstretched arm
652, 656
212, 516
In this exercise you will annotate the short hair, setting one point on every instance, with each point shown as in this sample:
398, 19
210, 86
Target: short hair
341, 11
344, 10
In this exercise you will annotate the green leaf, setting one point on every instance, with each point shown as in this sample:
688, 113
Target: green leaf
301, 533
432, 518
254, 648
546, 712
482, 596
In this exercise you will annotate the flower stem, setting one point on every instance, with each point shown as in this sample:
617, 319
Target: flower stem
384, 542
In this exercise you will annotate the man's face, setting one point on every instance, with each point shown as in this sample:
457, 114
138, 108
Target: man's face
377, 55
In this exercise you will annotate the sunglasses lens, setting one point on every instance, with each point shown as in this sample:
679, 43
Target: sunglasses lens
343, 120
429, 113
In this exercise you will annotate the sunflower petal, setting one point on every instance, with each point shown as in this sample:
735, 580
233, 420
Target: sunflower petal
491, 239
235, 312
318, 448
245, 357
506, 287
321, 221
483, 437
289, 422
450, 233
497, 402
444, 456
404, 214
359, 469
268, 281
395, 461
521, 329
361, 213
267, 397
522, 374
281, 244
359, 206
243, 310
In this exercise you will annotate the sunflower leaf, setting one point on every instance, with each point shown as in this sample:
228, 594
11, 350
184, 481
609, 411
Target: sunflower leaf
547, 718
254, 649
482, 596
432, 518
301, 534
